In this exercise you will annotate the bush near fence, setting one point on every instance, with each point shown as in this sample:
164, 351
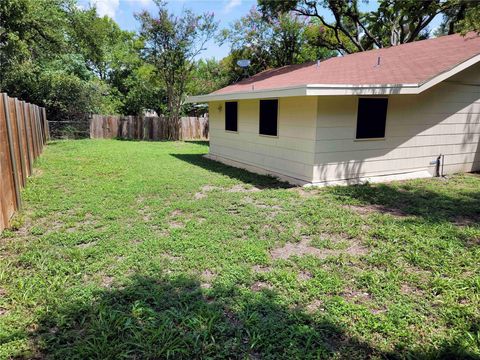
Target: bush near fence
145, 127
23, 133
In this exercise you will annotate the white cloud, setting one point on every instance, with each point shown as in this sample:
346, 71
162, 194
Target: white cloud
107, 7
231, 5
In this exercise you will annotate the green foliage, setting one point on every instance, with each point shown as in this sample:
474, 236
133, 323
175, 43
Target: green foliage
207, 76
350, 30
72, 61
463, 17
471, 22
268, 43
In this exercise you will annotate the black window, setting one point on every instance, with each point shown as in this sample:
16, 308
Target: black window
268, 117
231, 116
371, 118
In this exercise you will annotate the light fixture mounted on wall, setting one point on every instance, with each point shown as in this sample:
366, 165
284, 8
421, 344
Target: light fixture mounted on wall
220, 108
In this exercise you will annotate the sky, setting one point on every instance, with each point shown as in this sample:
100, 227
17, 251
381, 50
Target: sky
226, 12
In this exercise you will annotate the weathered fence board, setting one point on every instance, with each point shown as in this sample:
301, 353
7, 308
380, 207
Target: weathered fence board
145, 128
23, 132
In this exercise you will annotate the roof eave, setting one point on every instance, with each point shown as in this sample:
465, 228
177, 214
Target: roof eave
309, 90
339, 89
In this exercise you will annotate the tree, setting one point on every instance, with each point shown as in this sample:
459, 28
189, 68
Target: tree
171, 45
270, 42
29, 31
463, 17
393, 23
54, 54
207, 76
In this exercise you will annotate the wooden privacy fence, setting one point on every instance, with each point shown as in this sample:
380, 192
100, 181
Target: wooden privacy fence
145, 127
23, 133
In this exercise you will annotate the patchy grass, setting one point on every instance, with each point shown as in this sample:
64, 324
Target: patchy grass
147, 250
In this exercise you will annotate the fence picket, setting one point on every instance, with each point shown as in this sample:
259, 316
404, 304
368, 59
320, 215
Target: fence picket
21, 149
145, 128
11, 145
23, 132
26, 116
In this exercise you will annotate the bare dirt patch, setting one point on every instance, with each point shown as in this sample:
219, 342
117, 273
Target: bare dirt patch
261, 269
315, 305
208, 275
170, 257
204, 190
260, 285
175, 223
304, 192
375, 208
270, 210
467, 221
240, 188
358, 297
144, 210
303, 248
176, 213
377, 311
86, 245
304, 275
107, 281
199, 195
474, 241
408, 289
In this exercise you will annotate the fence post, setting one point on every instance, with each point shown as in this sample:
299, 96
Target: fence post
20, 143
12, 152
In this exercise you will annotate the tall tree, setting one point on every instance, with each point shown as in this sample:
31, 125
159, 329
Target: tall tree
351, 30
171, 45
463, 17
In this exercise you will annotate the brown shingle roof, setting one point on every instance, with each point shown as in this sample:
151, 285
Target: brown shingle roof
412, 63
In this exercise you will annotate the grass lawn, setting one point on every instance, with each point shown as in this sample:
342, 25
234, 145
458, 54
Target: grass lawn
147, 250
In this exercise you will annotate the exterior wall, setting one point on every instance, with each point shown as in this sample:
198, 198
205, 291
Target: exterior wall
289, 155
316, 136
443, 120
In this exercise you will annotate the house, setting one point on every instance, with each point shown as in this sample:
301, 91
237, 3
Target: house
402, 112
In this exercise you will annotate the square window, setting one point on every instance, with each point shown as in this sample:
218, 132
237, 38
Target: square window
268, 117
371, 118
231, 116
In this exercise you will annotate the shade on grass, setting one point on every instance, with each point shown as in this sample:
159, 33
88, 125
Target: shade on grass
147, 250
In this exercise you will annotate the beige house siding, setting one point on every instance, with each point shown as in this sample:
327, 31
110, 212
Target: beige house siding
316, 135
291, 153
443, 120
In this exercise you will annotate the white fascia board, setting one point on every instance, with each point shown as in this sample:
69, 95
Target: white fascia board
374, 89
339, 89
449, 73
254, 94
